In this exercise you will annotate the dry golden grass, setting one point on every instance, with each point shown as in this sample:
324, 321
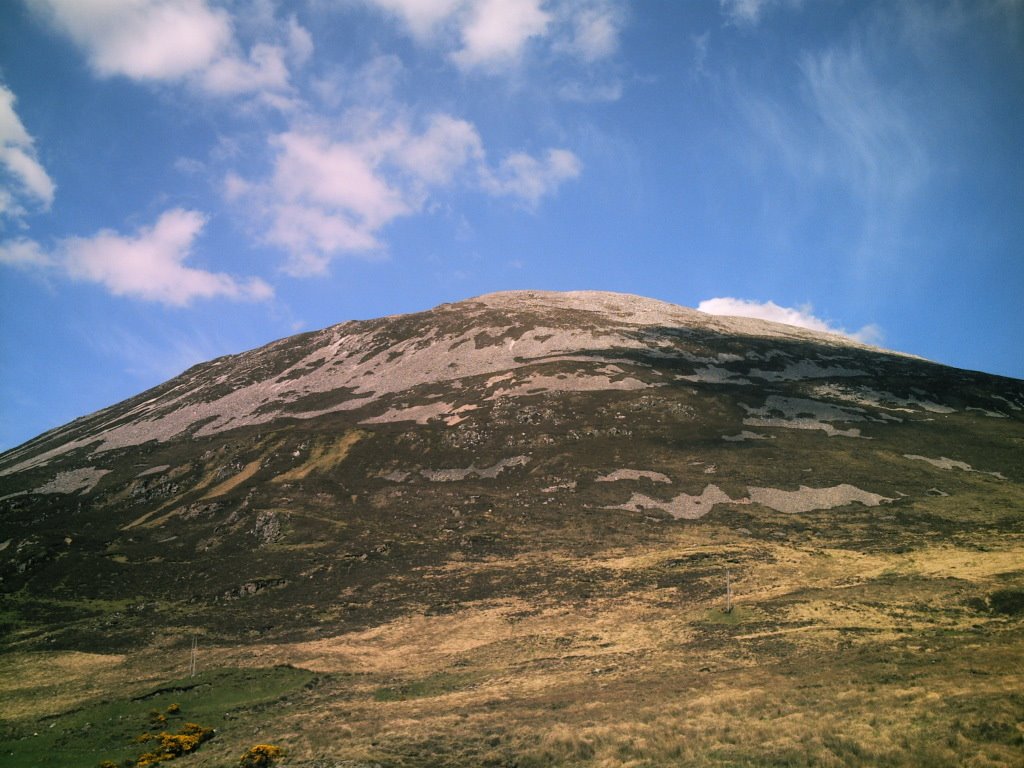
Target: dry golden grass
247, 472
831, 658
153, 518
34, 684
323, 457
1005, 556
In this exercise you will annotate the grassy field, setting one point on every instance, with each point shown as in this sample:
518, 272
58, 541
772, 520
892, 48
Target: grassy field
832, 656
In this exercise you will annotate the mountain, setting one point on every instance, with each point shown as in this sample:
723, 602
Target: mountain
530, 528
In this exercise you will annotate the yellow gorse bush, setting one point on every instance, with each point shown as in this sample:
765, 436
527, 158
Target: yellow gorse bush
172, 745
260, 756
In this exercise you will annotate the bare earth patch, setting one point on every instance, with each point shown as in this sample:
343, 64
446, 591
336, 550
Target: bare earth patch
799, 413
154, 470
745, 434
805, 499
73, 481
449, 475
421, 414
634, 474
943, 463
683, 506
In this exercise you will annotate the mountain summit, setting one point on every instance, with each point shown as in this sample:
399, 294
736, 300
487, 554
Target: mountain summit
519, 468
396, 368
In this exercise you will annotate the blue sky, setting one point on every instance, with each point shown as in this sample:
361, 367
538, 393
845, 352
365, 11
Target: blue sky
181, 179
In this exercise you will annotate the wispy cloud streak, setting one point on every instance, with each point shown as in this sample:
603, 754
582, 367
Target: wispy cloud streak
847, 129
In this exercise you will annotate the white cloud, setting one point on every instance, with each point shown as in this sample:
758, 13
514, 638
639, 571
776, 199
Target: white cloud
324, 198
328, 197
189, 166
148, 265
523, 176
341, 176
591, 93
871, 333
24, 254
313, 235
595, 30
765, 310
496, 31
491, 35
142, 39
264, 70
373, 83
422, 17
700, 53
746, 11
235, 187
749, 12
300, 42
439, 153
801, 317
176, 40
18, 161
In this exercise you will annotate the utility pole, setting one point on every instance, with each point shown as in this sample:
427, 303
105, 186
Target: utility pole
728, 592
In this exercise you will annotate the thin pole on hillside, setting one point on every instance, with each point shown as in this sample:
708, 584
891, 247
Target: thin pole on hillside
192, 659
728, 592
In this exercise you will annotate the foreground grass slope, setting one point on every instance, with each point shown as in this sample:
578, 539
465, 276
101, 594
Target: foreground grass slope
831, 656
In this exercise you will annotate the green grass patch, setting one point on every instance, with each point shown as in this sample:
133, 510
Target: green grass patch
738, 615
111, 729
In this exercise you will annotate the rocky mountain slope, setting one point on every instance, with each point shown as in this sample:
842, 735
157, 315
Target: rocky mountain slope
531, 486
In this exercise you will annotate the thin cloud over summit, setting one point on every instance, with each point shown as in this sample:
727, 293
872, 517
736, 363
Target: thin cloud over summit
802, 317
